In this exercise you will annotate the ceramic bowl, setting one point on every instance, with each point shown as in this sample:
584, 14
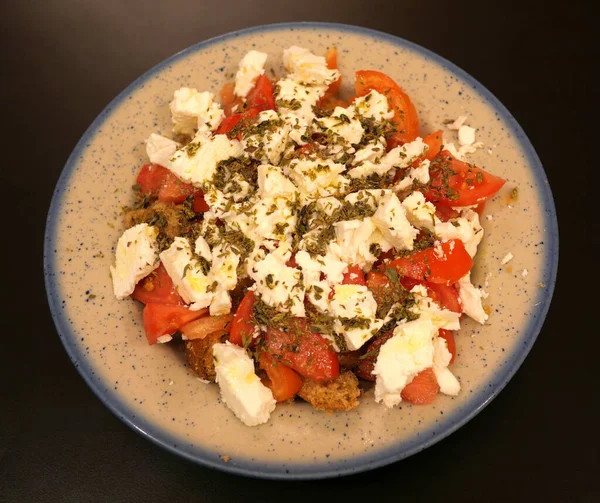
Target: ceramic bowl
151, 388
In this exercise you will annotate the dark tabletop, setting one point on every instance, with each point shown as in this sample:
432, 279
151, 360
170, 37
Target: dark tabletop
62, 61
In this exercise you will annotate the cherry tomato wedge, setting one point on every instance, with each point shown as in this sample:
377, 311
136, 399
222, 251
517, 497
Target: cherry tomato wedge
456, 183
354, 276
261, 96
283, 382
305, 351
165, 319
150, 178
422, 389
237, 121
446, 267
405, 115
157, 288
173, 190
242, 327
199, 205
448, 335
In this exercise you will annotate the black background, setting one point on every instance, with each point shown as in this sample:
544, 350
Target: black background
61, 62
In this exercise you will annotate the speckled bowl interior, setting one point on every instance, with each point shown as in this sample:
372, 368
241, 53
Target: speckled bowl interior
152, 389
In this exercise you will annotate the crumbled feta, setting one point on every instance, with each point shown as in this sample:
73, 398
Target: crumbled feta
317, 178
191, 281
160, 149
405, 155
192, 110
273, 183
307, 68
136, 257
525, 273
507, 258
293, 98
196, 163
419, 212
456, 125
390, 219
448, 383
252, 66
402, 357
370, 153
267, 145
420, 174
241, 389
343, 124
470, 299
279, 286
466, 228
466, 135
374, 105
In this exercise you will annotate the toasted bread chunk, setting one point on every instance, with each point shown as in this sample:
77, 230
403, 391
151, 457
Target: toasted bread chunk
199, 354
340, 393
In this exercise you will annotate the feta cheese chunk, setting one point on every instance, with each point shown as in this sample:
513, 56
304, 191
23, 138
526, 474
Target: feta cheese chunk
252, 66
273, 183
196, 163
419, 212
420, 174
402, 357
466, 228
342, 123
466, 135
507, 258
355, 308
241, 389
307, 68
279, 286
192, 110
390, 219
405, 155
448, 383
160, 149
470, 299
374, 105
191, 279
317, 178
457, 124
136, 257
293, 98
268, 143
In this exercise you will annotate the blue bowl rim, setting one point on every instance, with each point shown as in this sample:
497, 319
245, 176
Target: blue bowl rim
309, 470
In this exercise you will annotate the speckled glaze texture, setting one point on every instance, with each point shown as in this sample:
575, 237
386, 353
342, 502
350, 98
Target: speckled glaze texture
152, 389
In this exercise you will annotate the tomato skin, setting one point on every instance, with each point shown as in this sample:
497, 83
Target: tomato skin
456, 183
199, 204
165, 319
312, 356
228, 98
242, 326
434, 142
448, 335
330, 99
354, 276
261, 96
206, 325
366, 365
150, 178
283, 382
427, 266
157, 288
230, 122
445, 295
445, 213
405, 117
173, 190
423, 389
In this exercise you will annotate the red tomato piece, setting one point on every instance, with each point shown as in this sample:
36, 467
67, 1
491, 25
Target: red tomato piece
173, 190
228, 98
261, 96
453, 263
165, 319
199, 205
242, 326
365, 367
405, 117
330, 99
444, 295
456, 183
151, 177
422, 389
445, 213
157, 288
283, 382
434, 142
354, 276
448, 335
307, 352
237, 121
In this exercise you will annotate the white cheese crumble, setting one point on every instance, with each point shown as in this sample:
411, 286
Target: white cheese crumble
192, 111
136, 257
160, 149
241, 389
507, 258
470, 299
250, 68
